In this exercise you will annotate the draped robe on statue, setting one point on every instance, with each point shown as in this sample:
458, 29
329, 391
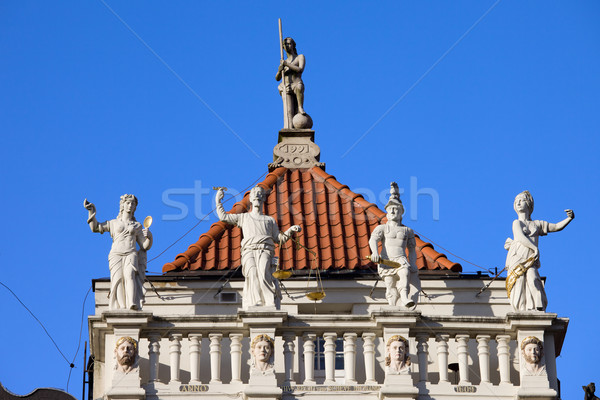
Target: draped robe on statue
260, 233
127, 264
523, 283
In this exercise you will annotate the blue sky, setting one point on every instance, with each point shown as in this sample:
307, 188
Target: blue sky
480, 100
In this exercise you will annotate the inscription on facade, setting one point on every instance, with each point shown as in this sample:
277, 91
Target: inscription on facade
465, 389
353, 388
193, 388
295, 148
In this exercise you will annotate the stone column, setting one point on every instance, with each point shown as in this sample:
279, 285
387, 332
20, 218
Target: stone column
483, 351
288, 357
153, 355
503, 358
329, 357
175, 356
350, 358
422, 351
369, 354
236, 357
463, 359
442, 353
215, 357
309, 358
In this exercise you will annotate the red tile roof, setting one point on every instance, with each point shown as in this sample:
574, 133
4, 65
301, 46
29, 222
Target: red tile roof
336, 224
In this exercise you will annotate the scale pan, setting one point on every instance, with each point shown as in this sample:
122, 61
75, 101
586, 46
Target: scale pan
281, 274
315, 296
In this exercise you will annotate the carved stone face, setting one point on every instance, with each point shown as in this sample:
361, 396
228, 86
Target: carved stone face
397, 351
288, 45
257, 197
129, 206
394, 213
532, 353
125, 353
262, 351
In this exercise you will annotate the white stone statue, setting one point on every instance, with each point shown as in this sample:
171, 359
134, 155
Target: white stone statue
523, 283
126, 354
397, 360
262, 354
532, 352
260, 233
395, 239
127, 263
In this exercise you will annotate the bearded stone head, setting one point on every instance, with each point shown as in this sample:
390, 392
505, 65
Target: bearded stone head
126, 353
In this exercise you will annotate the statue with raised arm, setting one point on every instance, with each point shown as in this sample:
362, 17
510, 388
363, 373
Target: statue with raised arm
260, 233
523, 283
127, 257
399, 273
291, 87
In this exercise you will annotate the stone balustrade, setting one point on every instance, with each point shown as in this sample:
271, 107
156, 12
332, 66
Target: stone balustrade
431, 354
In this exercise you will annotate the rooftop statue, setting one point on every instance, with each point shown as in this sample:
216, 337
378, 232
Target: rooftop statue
291, 87
260, 233
523, 283
532, 351
126, 262
397, 272
397, 359
590, 392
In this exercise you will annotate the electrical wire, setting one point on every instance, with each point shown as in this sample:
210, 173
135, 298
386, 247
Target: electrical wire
80, 332
449, 252
39, 322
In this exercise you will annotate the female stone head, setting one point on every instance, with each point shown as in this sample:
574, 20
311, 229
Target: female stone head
524, 203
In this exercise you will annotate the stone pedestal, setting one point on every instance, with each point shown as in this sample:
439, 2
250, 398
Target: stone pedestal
296, 148
262, 321
398, 387
123, 323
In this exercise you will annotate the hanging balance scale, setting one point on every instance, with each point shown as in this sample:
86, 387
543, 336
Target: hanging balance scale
279, 273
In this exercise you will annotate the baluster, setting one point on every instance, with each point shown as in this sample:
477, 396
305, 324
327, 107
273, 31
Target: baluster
215, 357
422, 351
329, 357
288, 356
442, 353
483, 351
175, 356
236, 357
195, 348
309, 358
350, 358
503, 358
463, 359
369, 353
153, 354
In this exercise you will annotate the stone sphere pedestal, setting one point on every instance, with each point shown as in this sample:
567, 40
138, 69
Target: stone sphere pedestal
302, 121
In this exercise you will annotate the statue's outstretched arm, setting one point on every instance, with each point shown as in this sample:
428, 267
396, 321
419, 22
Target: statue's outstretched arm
92, 221
559, 226
223, 216
287, 235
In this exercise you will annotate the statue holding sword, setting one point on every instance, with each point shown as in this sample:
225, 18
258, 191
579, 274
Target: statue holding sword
399, 273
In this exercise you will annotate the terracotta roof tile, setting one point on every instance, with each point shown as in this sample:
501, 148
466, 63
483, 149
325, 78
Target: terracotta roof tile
336, 225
